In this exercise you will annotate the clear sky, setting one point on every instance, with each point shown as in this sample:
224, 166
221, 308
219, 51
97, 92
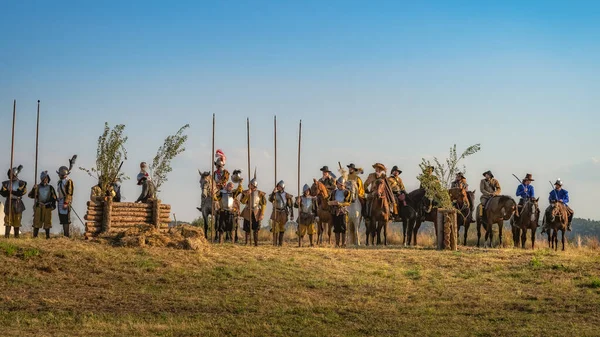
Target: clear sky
388, 81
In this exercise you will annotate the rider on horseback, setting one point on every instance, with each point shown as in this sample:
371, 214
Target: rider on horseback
328, 179
489, 187
558, 194
221, 174
373, 180
353, 173
461, 183
525, 191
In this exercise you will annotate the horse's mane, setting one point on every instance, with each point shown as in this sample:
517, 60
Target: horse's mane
505, 198
320, 187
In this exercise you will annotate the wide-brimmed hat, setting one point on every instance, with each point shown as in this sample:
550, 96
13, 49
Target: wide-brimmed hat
379, 166
460, 174
396, 169
325, 169
529, 177
488, 172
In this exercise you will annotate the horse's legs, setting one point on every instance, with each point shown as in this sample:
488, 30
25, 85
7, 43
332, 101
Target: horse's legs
385, 229
500, 225
533, 238
466, 229
404, 220
378, 230
516, 235
523, 238
563, 239
416, 231
478, 232
329, 230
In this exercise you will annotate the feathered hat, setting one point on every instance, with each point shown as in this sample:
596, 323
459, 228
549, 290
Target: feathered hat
220, 158
65, 171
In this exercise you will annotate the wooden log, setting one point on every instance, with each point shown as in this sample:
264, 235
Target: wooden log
106, 219
447, 229
95, 204
156, 213
92, 217
117, 205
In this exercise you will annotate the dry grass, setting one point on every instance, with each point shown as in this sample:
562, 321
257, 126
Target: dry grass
76, 288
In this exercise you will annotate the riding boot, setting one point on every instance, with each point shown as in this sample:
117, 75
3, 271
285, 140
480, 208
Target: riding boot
16, 229
310, 240
47, 233
6, 232
256, 238
281, 239
35, 232
66, 230
247, 238
337, 240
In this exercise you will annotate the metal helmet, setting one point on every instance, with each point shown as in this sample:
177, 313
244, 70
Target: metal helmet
281, 183
341, 180
63, 171
44, 175
254, 182
305, 188
236, 177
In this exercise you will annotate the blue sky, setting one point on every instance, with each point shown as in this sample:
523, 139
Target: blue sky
387, 81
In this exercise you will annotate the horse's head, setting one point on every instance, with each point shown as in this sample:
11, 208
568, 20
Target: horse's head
508, 207
318, 189
458, 195
205, 180
530, 209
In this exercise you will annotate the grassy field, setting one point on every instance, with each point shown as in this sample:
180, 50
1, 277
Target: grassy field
64, 287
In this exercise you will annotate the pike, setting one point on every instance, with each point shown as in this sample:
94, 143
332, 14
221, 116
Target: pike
212, 179
35, 176
300, 193
275, 143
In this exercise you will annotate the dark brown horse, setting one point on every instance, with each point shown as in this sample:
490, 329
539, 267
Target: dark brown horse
379, 216
528, 219
325, 221
409, 210
464, 202
497, 210
556, 218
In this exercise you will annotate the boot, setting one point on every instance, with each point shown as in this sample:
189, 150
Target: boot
47, 233
16, 232
247, 238
274, 238
6, 232
310, 240
343, 235
66, 230
281, 239
35, 232
337, 240
256, 238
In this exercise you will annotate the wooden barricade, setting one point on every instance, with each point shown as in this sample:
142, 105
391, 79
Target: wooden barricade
104, 216
447, 229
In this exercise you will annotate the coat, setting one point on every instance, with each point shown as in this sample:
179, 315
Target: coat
259, 212
489, 188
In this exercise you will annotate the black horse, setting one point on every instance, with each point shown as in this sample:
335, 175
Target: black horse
411, 212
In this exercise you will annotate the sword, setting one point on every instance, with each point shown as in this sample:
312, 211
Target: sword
72, 209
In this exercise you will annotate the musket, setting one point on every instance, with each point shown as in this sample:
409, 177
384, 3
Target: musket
115, 177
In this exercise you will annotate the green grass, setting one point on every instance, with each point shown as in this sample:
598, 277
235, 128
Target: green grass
74, 288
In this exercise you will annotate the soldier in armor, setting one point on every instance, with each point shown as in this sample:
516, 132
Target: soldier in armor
328, 179
14, 205
45, 202
221, 176
254, 211
283, 206
228, 210
307, 214
65, 190
339, 200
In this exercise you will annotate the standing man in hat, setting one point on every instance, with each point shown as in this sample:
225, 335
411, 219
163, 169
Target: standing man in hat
339, 200
65, 190
12, 217
559, 194
148, 188
307, 215
525, 191
283, 205
328, 179
489, 187
254, 212
45, 197
227, 210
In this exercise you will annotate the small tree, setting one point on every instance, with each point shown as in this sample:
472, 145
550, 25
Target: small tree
109, 155
436, 186
161, 164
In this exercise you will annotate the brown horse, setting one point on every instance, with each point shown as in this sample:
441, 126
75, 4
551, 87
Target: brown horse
321, 193
497, 210
379, 216
463, 202
556, 218
528, 219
